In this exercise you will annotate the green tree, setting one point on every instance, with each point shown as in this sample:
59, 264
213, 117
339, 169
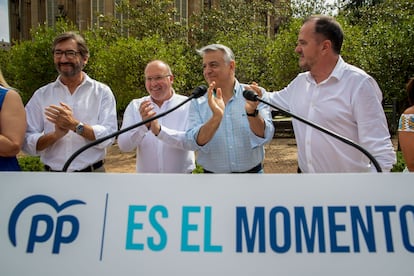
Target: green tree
282, 66
30, 63
234, 18
379, 40
121, 65
302, 9
383, 44
144, 18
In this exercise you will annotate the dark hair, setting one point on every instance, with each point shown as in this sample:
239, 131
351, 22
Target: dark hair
410, 91
330, 29
82, 47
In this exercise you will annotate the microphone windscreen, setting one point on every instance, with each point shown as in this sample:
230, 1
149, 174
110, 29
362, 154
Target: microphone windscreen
199, 91
250, 95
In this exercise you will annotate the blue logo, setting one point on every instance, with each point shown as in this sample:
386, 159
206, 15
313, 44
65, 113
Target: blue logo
51, 227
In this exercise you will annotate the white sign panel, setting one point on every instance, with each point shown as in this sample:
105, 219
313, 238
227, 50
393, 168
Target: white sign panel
241, 224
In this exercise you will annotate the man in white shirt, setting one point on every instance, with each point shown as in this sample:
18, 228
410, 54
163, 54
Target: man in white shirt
160, 144
339, 97
70, 112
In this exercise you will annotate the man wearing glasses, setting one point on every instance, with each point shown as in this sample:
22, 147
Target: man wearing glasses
70, 112
160, 143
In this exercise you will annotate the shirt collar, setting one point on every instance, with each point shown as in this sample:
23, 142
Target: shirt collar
86, 79
339, 69
167, 101
238, 89
336, 73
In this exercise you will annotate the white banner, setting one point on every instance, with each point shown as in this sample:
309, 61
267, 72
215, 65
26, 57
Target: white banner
241, 224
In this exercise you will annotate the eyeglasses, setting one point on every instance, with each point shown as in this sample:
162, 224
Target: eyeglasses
68, 53
156, 78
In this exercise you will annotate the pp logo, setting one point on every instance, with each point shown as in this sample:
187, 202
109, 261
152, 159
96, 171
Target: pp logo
51, 228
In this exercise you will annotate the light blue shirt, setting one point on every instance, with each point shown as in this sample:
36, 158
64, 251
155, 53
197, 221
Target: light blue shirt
234, 147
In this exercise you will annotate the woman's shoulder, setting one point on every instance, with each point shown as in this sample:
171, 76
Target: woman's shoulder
13, 95
409, 110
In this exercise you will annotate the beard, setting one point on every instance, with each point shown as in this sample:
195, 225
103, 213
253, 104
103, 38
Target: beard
76, 69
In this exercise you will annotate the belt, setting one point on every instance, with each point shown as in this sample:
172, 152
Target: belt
89, 168
256, 169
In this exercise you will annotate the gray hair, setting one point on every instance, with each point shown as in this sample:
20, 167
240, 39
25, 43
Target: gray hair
228, 53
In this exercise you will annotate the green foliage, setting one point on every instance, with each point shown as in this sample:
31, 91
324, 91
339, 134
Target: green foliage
30, 163
400, 165
302, 9
145, 18
234, 18
121, 65
282, 65
31, 62
4, 61
249, 51
382, 39
198, 169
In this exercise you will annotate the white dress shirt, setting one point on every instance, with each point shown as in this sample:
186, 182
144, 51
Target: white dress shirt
92, 103
348, 103
165, 153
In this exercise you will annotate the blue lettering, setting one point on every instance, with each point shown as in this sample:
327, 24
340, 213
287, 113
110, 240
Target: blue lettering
59, 231
367, 231
158, 228
343, 224
33, 236
310, 238
242, 225
208, 247
385, 210
286, 229
133, 226
404, 211
334, 228
187, 227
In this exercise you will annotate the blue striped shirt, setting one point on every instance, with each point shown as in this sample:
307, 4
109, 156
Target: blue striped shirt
234, 147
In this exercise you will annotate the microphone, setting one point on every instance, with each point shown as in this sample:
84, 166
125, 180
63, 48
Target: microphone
252, 96
197, 93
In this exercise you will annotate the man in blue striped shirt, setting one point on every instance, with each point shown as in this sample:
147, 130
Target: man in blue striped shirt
227, 131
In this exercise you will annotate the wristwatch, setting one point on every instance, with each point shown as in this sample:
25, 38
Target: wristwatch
254, 114
79, 128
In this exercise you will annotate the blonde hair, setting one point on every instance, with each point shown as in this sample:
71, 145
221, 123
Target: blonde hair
3, 82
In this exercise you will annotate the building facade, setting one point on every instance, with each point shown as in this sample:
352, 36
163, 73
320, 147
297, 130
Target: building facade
27, 14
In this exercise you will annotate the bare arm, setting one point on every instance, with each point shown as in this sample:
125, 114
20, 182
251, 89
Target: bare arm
12, 124
407, 147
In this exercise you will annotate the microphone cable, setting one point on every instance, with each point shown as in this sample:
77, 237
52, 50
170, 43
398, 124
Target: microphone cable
252, 96
198, 92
